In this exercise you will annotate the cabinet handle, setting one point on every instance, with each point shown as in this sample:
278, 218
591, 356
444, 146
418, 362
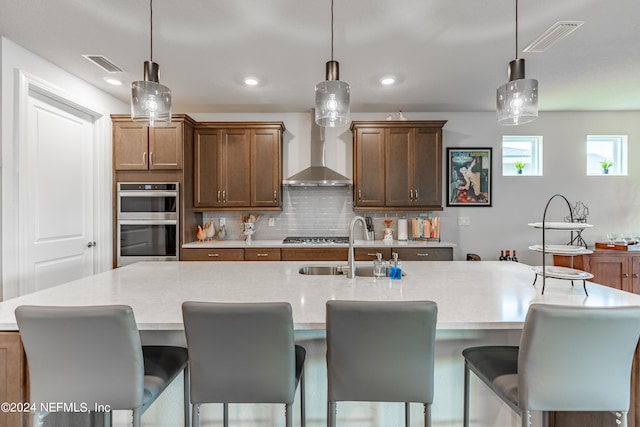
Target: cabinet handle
150, 158
218, 196
625, 275
144, 158
359, 194
263, 255
425, 254
416, 195
213, 255
275, 195
224, 196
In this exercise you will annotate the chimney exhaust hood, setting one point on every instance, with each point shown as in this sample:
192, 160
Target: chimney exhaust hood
318, 174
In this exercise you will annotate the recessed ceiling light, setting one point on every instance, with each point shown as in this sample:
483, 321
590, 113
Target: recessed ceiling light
251, 81
388, 80
113, 81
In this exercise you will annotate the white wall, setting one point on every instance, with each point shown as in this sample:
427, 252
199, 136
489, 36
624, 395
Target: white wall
517, 200
15, 60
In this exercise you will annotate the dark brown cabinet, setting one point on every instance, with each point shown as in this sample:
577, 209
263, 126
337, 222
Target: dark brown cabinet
424, 254
397, 165
237, 166
138, 147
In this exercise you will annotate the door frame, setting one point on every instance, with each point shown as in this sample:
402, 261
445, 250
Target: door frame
102, 202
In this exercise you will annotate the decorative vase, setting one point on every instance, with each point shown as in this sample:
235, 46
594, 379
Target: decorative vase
605, 171
519, 171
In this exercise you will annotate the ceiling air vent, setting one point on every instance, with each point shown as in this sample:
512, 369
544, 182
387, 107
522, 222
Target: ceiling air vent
557, 31
104, 63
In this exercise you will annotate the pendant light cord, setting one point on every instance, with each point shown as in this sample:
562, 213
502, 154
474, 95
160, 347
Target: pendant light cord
332, 30
151, 27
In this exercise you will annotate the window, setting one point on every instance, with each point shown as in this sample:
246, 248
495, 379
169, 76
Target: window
521, 155
606, 154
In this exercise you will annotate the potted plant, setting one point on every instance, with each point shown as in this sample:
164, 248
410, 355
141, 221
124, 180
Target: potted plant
606, 164
519, 164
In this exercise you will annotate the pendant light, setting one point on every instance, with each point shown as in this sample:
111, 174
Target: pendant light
150, 101
332, 95
517, 100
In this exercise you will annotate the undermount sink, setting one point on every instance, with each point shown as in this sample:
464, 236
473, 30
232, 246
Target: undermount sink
337, 270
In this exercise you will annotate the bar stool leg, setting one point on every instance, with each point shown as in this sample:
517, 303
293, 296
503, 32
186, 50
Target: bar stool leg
331, 414
187, 398
407, 414
195, 414
427, 415
303, 404
225, 414
465, 418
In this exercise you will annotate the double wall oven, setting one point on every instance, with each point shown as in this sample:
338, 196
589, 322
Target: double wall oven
147, 222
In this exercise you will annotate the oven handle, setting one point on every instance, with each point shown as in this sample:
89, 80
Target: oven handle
147, 222
146, 193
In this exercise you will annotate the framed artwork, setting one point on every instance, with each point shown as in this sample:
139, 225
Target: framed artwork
469, 176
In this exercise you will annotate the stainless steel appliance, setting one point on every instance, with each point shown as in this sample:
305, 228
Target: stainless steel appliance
317, 240
147, 222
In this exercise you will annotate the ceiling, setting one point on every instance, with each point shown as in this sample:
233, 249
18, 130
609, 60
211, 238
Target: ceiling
447, 55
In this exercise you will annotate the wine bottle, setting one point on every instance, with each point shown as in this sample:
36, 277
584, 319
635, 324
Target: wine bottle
508, 257
502, 257
514, 258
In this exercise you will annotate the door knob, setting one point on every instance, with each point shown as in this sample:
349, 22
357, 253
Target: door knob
91, 244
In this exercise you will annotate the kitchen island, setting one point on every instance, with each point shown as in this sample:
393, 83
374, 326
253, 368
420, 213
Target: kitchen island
478, 303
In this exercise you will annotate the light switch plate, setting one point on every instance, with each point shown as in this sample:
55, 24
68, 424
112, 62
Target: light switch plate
464, 220
272, 222
223, 220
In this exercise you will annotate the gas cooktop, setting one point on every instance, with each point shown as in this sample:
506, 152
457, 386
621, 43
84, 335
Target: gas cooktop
317, 240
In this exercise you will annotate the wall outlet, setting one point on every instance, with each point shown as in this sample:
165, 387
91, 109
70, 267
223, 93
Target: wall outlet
223, 220
464, 220
272, 221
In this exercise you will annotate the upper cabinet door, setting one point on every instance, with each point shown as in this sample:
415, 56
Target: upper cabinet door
235, 158
399, 167
266, 169
130, 146
165, 147
206, 172
427, 167
368, 168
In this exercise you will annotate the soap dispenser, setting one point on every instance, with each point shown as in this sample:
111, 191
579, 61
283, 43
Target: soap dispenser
395, 270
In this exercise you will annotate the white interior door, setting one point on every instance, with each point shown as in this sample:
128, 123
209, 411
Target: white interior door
56, 194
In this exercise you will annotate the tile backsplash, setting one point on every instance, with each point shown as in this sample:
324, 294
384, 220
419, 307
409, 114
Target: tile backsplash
306, 211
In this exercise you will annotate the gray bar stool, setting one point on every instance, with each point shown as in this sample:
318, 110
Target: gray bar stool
243, 353
92, 356
381, 352
569, 359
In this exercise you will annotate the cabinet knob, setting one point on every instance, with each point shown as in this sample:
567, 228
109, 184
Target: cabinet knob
625, 275
635, 275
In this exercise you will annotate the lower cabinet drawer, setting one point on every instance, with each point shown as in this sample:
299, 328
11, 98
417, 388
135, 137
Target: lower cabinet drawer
369, 254
314, 254
211, 254
424, 254
264, 254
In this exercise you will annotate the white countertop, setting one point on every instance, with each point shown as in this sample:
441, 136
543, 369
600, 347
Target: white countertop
470, 295
278, 244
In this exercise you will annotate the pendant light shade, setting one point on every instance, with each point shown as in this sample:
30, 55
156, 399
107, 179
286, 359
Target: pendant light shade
151, 101
332, 95
517, 100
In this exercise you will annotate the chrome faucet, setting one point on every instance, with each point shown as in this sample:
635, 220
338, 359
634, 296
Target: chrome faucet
351, 257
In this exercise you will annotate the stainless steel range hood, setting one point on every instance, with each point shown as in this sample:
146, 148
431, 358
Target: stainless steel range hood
318, 174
